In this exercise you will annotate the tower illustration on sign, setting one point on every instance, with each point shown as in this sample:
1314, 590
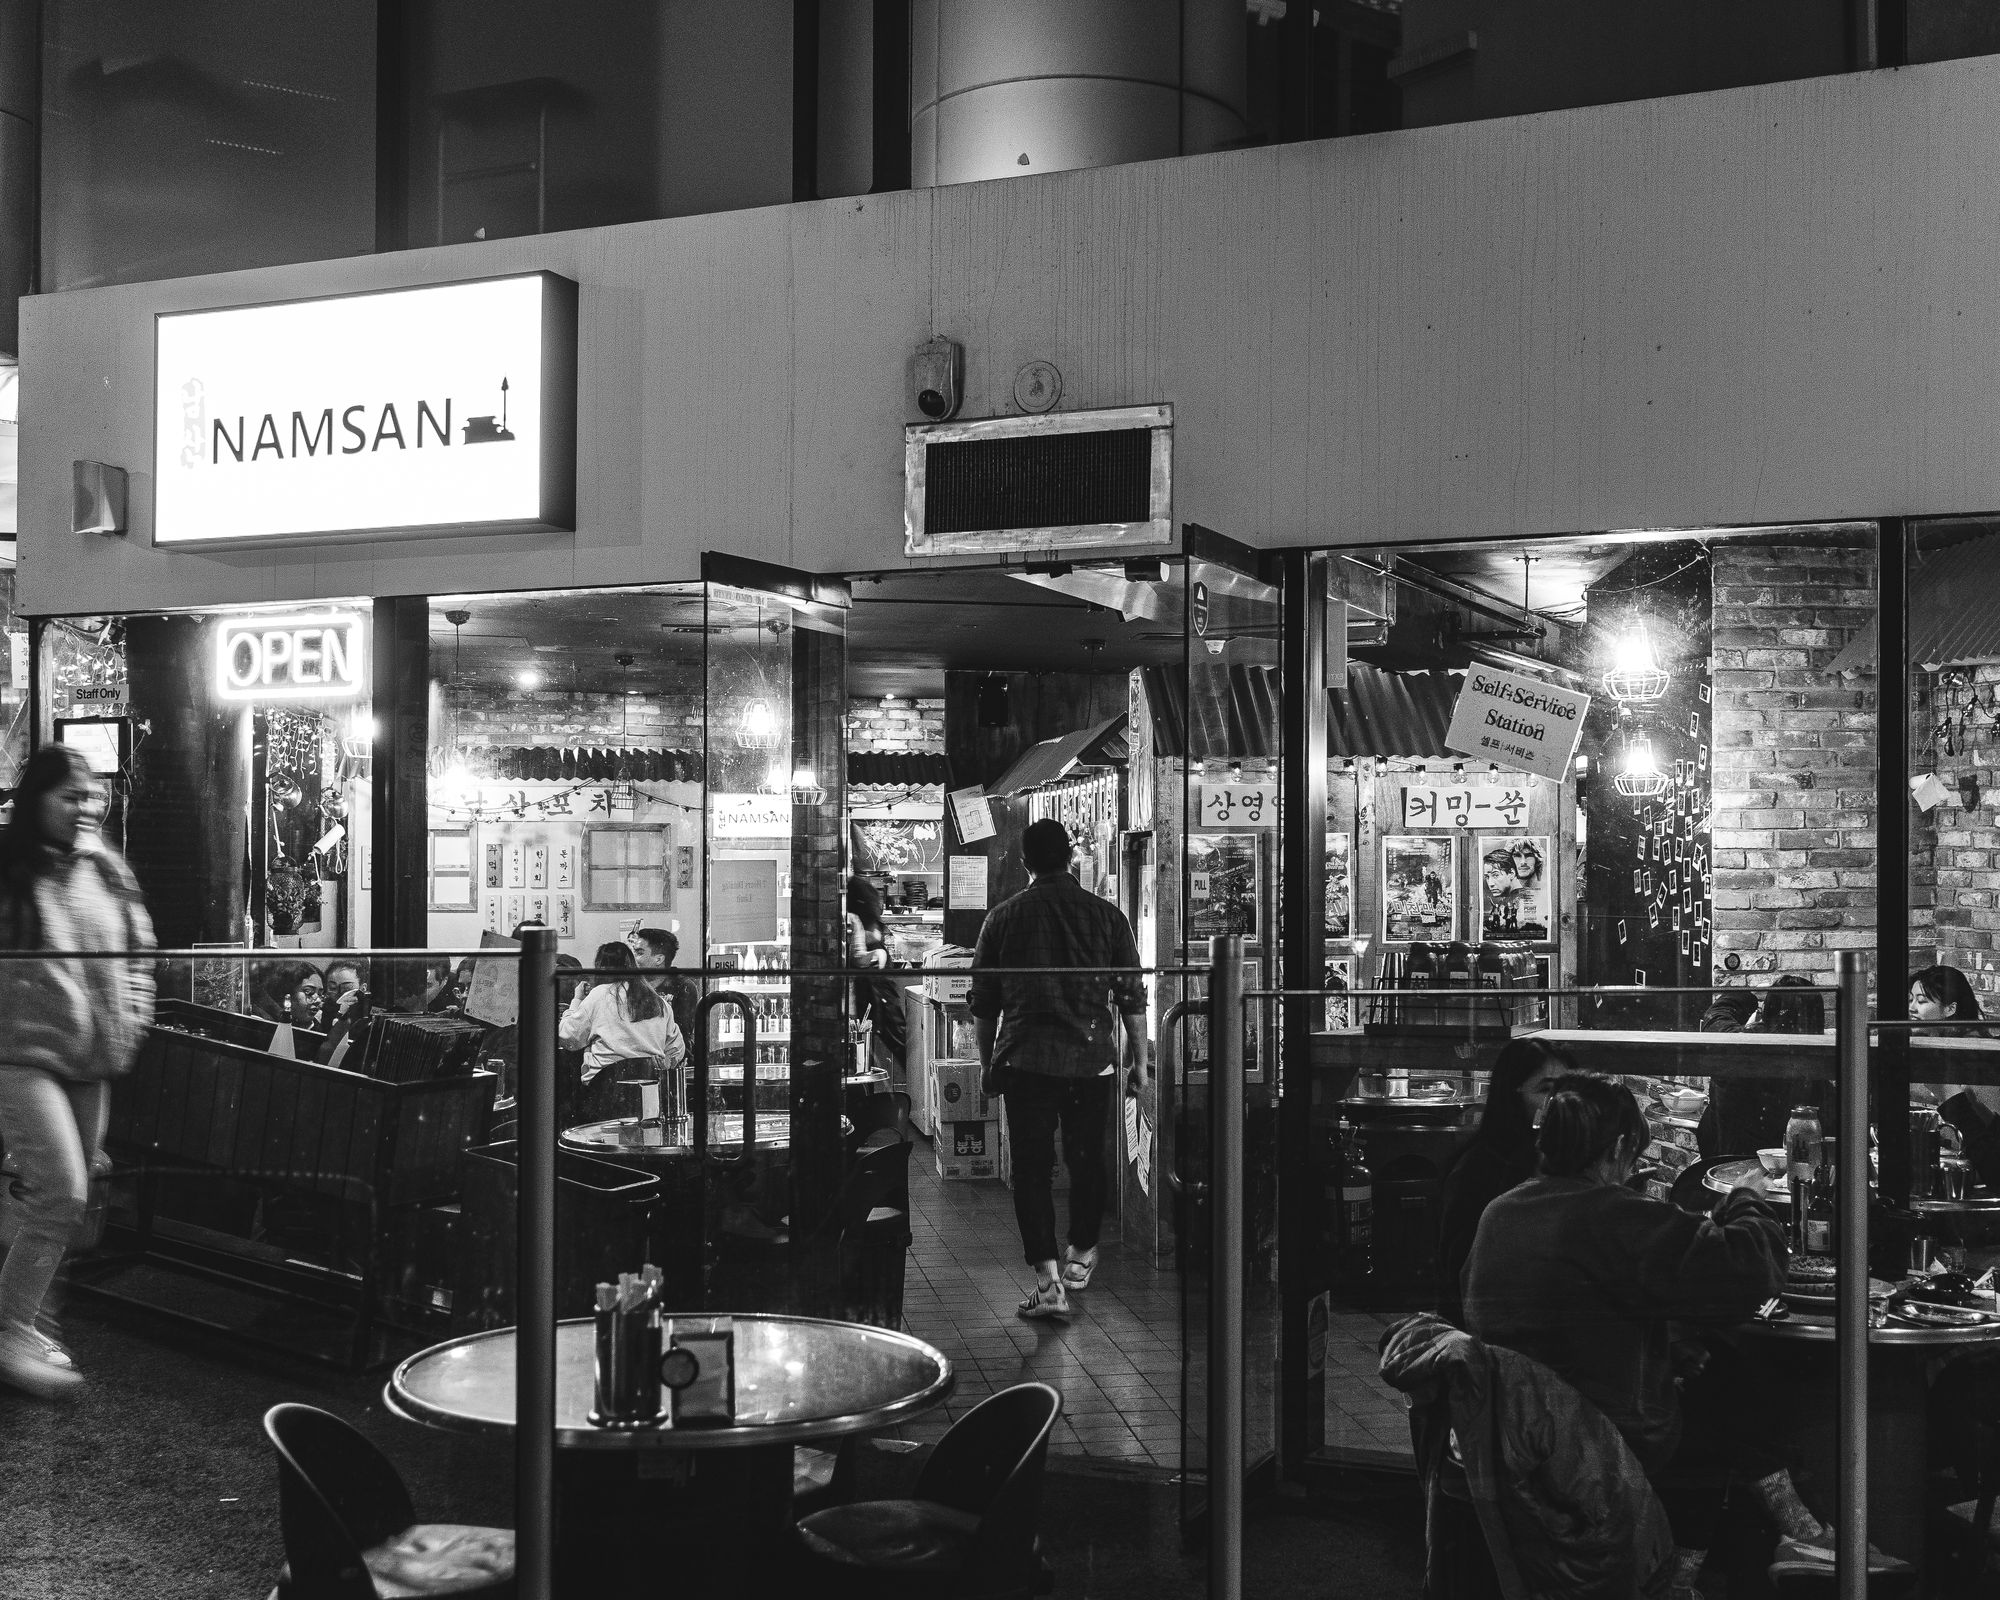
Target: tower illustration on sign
484, 430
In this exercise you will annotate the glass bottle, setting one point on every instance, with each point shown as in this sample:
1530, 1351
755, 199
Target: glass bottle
1802, 1157
1357, 1209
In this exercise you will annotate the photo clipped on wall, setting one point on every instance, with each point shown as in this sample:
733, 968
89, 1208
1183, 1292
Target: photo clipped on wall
1419, 888
1222, 884
1339, 886
1515, 892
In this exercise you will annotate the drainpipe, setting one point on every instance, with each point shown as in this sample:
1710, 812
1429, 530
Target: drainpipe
20, 160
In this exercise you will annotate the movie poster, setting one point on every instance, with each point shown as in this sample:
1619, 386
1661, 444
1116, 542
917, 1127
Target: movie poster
1419, 888
1222, 884
1515, 888
1339, 886
1338, 981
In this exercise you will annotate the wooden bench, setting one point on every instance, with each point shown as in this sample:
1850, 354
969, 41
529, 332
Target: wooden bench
204, 1098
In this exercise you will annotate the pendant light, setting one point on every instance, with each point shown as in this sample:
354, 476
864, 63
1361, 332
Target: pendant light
1636, 676
1640, 778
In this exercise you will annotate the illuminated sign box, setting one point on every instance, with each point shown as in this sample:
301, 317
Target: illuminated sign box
293, 655
446, 409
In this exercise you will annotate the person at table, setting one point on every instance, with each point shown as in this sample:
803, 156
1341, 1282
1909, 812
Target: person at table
1943, 994
1578, 1272
655, 949
868, 953
624, 1028
1500, 1155
1743, 1113
344, 981
71, 1027
1047, 1043
290, 991
1729, 1011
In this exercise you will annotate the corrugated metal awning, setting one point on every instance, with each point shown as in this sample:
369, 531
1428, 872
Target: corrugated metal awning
904, 768
1381, 713
1953, 607
1391, 713
1054, 759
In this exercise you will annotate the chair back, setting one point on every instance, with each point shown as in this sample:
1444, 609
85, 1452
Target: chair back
990, 1465
880, 1178
337, 1495
885, 1109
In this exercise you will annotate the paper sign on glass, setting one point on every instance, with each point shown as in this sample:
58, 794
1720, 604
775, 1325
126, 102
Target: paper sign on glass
1517, 722
967, 888
973, 814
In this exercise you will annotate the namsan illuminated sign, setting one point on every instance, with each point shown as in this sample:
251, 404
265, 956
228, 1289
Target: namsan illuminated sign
290, 656
450, 408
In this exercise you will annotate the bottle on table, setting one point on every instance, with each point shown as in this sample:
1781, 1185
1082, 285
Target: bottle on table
1802, 1158
1822, 1236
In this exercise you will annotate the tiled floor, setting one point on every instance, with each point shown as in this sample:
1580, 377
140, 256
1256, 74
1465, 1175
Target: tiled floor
1116, 1362
1364, 1416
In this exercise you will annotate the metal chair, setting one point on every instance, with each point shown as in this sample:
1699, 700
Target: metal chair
349, 1528
969, 1528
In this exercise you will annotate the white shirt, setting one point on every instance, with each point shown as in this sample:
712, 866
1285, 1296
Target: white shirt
596, 1023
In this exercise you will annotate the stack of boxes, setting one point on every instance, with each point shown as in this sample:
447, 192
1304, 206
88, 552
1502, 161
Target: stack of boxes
965, 1128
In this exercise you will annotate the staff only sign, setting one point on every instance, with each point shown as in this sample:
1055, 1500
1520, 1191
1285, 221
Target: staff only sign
441, 409
1517, 722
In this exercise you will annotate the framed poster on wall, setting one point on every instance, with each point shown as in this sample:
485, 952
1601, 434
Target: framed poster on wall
1223, 884
1419, 888
1515, 888
1339, 886
1339, 979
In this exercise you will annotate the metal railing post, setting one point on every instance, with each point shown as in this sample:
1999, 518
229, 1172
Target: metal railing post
1851, 1260
1225, 1294
535, 1274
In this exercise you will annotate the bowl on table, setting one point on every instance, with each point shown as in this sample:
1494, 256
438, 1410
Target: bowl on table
1772, 1160
1683, 1102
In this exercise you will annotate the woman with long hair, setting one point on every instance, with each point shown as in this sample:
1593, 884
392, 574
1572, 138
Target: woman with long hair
1578, 1272
70, 1028
1500, 1155
868, 950
1942, 994
623, 1028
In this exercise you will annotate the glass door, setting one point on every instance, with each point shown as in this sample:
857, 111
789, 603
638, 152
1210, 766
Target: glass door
773, 920
1229, 849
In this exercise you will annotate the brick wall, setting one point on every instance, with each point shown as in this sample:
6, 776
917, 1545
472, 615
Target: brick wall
559, 718
1794, 786
902, 724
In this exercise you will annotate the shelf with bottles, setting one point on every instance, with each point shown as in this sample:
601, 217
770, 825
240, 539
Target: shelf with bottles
767, 1072
735, 1040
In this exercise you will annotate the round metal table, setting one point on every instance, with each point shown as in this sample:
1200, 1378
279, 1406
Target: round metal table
628, 1136
713, 1503
1727, 1174
1802, 1353
798, 1379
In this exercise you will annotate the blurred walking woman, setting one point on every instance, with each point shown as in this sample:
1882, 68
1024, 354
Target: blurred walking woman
66, 1029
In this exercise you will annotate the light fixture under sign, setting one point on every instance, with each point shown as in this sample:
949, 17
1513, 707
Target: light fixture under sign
757, 728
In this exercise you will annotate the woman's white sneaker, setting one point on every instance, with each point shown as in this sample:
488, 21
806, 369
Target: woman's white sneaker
35, 1365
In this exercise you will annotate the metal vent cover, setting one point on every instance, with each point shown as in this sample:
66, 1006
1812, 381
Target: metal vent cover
1073, 480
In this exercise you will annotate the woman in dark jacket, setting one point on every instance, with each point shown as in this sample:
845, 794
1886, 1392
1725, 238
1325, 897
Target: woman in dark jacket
1943, 994
1576, 1271
1501, 1154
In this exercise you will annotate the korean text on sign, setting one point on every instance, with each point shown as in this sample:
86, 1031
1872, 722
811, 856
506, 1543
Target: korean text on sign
1487, 806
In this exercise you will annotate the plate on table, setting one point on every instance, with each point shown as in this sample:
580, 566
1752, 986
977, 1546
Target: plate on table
1814, 1289
1908, 1313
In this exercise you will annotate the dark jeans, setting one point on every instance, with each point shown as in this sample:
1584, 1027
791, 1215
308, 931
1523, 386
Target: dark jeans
1036, 1104
605, 1099
1730, 1425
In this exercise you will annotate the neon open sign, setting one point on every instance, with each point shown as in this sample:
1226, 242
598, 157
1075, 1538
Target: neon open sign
289, 656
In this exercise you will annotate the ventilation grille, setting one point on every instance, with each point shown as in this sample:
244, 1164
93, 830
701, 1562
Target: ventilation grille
1055, 481
1043, 482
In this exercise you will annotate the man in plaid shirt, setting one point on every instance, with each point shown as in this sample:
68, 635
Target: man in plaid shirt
1046, 1045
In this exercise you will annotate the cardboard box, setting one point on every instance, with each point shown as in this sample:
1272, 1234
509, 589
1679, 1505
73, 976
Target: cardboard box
968, 1149
956, 1095
948, 973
